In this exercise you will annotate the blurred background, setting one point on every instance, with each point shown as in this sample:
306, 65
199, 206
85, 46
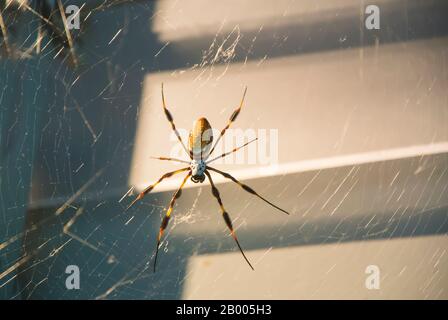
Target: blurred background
356, 120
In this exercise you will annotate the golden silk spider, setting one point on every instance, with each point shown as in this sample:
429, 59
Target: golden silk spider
199, 143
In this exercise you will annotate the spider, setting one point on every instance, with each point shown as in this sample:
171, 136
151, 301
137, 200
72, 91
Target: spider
199, 150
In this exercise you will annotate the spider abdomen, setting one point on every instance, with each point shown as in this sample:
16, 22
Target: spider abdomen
200, 138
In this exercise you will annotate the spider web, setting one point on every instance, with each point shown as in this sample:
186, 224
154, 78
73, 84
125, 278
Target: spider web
70, 103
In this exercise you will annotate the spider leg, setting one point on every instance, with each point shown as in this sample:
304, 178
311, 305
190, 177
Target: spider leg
167, 216
173, 126
149, 189
226, 216
170, 159
231, 119
246, 188
234, 150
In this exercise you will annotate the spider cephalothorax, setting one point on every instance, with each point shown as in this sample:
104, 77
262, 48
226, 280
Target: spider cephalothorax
197, 168
199, 150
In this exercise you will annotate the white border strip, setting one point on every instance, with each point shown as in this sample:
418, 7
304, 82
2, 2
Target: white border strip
283, 169
319, 164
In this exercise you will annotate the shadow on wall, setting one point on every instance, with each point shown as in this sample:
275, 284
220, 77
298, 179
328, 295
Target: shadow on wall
322, 31
114, 249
